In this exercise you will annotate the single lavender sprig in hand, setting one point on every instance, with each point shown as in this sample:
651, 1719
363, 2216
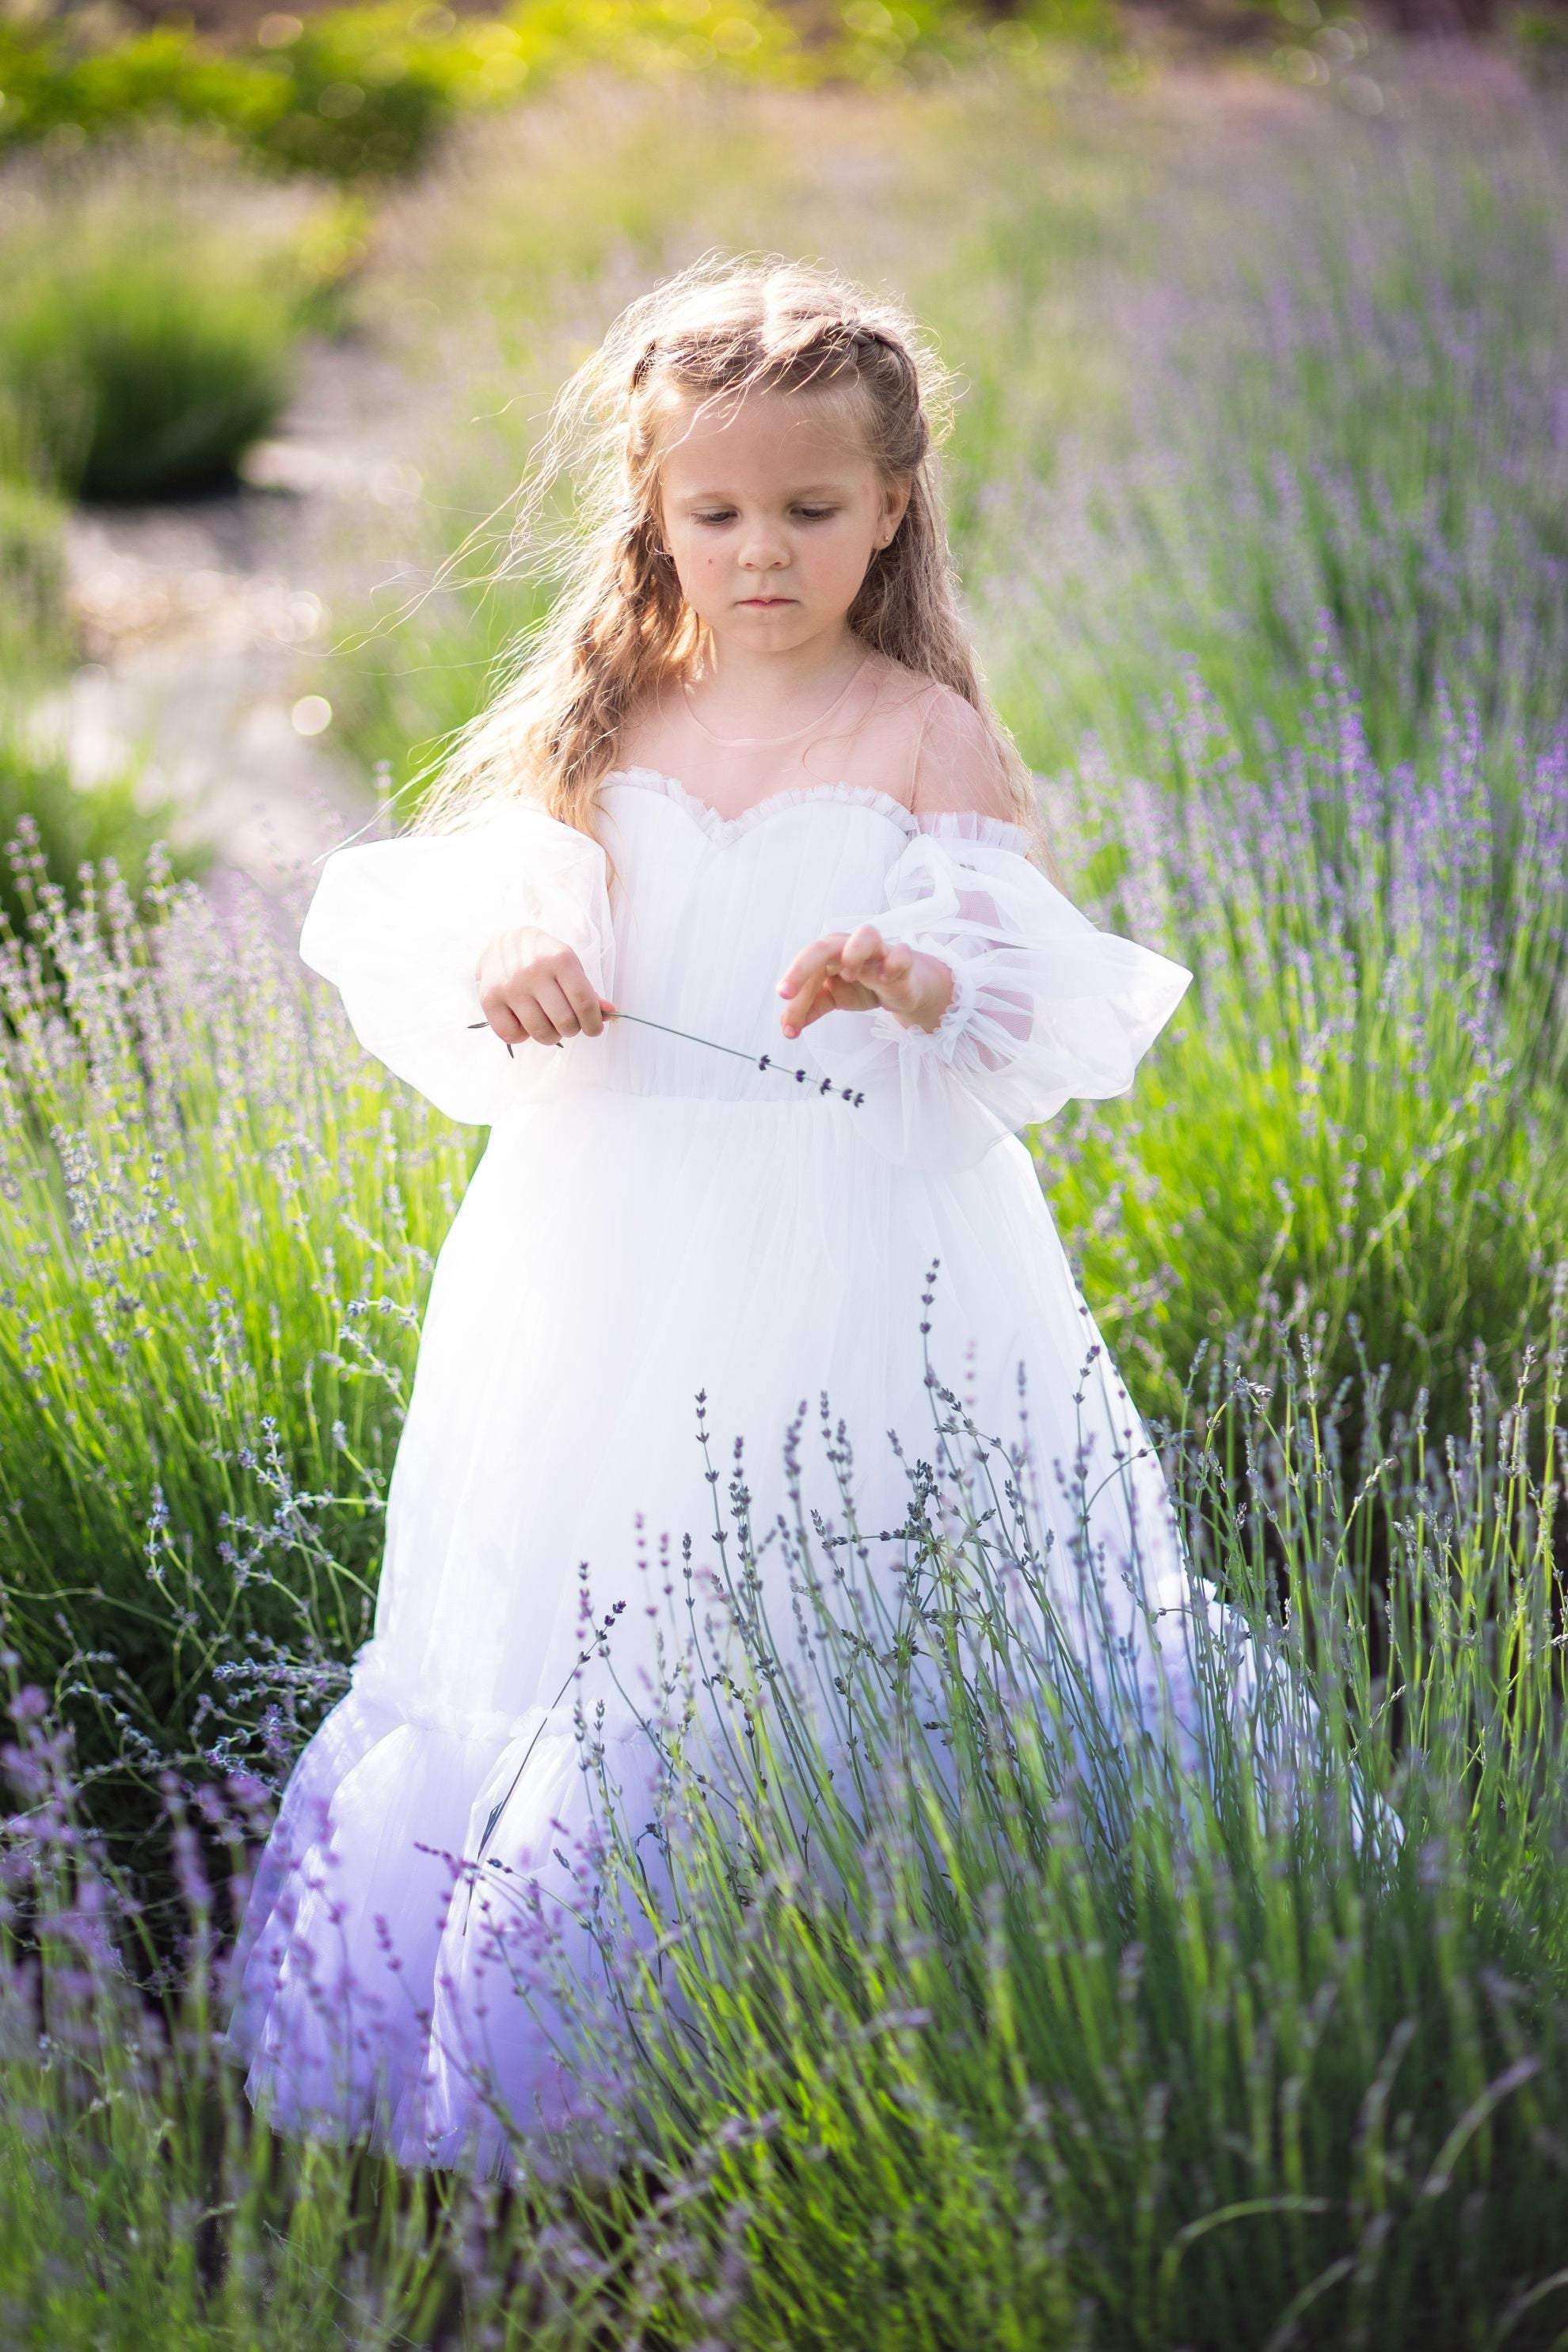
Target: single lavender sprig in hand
762, 1061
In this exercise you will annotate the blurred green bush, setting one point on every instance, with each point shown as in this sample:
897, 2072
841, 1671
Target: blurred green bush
1539, 39
149, 315
354, 93
33, 634
365, 92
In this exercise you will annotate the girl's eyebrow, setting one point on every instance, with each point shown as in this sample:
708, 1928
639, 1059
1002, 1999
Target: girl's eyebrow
802, 490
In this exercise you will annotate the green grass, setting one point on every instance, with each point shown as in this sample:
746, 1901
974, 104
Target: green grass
77, 836
218, 1258
1362, 1128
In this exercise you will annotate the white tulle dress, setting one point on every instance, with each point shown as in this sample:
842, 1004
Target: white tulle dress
653, 1220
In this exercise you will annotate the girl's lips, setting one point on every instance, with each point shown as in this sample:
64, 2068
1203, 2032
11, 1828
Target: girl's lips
767, 599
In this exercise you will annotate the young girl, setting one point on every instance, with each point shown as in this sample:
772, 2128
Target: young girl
746, 788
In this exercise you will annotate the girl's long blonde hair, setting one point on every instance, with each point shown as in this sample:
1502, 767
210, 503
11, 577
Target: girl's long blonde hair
720, 328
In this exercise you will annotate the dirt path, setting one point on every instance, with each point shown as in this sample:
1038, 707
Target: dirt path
198, 620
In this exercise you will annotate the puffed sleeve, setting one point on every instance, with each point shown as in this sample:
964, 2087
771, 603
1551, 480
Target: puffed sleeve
1044, 1005
398, 927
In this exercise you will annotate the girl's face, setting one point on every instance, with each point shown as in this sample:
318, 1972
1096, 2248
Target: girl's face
772, 517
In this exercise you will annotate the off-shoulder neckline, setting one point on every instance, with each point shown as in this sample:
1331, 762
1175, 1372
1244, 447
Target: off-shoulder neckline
965, 824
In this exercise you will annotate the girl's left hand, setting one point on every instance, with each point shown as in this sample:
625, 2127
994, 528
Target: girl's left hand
852, 972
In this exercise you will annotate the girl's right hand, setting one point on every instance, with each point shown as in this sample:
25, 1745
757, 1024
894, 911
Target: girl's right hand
533, 985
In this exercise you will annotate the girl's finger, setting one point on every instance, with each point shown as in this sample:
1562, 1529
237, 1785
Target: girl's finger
533, 1022
827, 999
558, 1009
506, 1025
894, 970
811, 959
584, 1001
805, 1005
862, 947
813, 970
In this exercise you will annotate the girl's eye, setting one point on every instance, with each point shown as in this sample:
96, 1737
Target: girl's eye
807, 514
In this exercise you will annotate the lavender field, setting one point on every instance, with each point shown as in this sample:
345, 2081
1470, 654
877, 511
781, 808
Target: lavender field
1259, 486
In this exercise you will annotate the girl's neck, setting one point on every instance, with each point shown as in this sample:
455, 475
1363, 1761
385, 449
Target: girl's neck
738, 698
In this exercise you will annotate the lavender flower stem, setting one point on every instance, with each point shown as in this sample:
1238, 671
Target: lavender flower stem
762, 1061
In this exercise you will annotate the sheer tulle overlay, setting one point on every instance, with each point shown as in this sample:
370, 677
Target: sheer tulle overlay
652, 1221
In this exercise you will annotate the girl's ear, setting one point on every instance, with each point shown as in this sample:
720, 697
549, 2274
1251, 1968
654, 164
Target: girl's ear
895, 500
